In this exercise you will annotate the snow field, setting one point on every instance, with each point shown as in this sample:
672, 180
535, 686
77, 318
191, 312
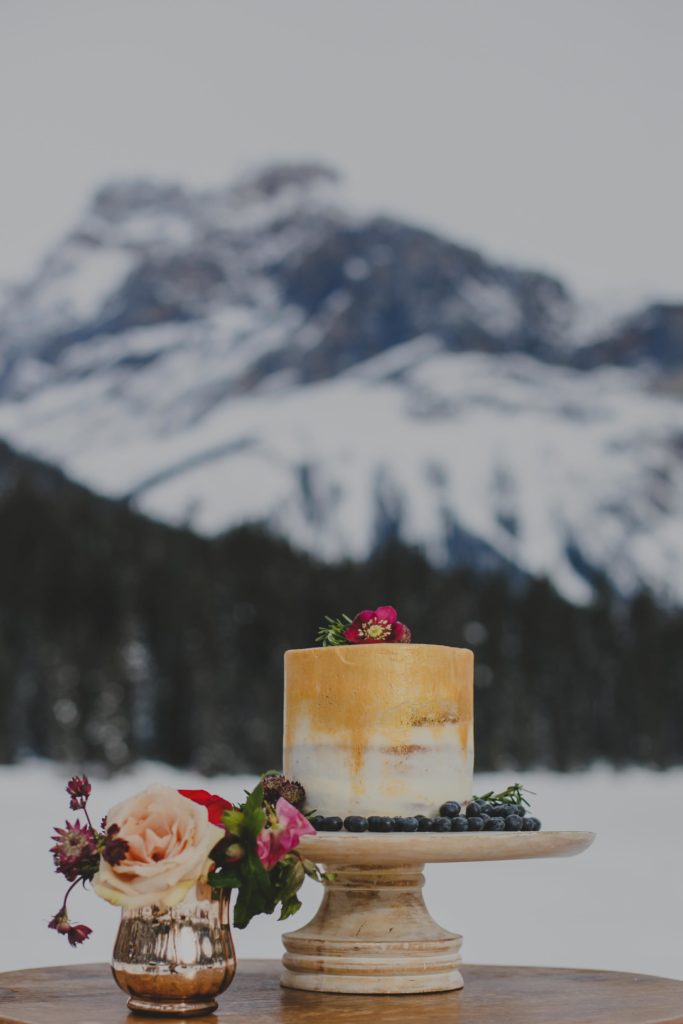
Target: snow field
617, 906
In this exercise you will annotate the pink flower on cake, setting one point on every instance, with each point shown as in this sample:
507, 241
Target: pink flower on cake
287, 827
169, 838
378, 627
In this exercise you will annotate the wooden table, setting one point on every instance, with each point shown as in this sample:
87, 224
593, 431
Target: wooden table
492, 995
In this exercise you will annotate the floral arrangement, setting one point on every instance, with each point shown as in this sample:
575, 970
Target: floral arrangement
152, 848
380, 626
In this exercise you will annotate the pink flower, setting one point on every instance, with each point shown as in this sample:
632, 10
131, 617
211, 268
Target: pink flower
378, 627
284, 834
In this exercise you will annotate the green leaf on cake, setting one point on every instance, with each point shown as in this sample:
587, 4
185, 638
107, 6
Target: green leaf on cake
331, 634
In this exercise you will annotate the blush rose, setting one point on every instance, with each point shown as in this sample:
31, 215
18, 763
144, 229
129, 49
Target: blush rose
169, 839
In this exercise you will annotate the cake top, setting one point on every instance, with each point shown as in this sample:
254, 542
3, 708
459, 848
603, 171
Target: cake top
387, 650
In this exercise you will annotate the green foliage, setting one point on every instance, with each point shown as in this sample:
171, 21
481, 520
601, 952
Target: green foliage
258, 891
331, 634
514, 794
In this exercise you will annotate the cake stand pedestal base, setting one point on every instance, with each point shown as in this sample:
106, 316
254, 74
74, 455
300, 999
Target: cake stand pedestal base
374, 935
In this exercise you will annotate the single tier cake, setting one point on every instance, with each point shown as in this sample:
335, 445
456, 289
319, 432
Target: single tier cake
379, 728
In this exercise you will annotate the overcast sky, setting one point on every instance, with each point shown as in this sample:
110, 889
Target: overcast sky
547, 132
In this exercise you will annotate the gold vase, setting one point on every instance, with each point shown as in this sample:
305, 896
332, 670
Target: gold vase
176, 961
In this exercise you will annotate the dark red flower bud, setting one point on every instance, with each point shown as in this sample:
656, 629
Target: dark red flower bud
78, 933
114, 850
60, 922
75, 933
275, 786
79, 789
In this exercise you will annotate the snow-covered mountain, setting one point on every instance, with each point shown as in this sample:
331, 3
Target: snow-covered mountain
264, 353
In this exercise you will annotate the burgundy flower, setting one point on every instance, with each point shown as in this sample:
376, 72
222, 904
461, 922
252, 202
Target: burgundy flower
378, 627
75, 933
78, 933
402, 634
78, 789
75, 851
114, 850
215, 805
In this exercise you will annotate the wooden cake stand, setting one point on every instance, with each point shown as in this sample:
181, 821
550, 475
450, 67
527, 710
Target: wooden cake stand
373, 933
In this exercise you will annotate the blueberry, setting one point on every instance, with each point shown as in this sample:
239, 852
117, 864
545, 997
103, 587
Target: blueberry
451, 809
500, 811
317, 822
476, 823
397, 824
494, 825
376, 823
472, 809
527, 824
356, 823
536, 824
332, 824
485, 806
513, 823
459, 824
424, 824
520, 810
409, 824
442, 824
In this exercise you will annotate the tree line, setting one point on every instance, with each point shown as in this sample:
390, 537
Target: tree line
121, 638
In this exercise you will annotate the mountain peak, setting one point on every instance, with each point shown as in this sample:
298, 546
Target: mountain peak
124, 197
273, 178
262, 352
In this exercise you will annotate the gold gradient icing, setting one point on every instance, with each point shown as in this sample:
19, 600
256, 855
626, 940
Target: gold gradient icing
351, 697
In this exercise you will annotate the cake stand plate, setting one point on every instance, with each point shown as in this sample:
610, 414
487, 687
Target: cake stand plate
373, 933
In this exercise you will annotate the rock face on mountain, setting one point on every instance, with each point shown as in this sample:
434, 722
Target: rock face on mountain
263, 353
654, 338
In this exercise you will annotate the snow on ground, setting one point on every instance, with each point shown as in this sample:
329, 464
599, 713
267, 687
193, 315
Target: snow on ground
618, 906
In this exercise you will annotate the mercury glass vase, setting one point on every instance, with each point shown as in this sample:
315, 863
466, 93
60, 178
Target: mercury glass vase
176, 961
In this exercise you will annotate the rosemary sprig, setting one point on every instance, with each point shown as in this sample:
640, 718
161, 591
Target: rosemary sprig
332, 634
512, 795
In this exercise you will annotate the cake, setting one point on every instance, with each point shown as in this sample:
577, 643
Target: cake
382, 728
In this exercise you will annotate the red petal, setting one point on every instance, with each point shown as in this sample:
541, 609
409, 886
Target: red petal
402, 634
353, 635
215, 805
200, 796
386, 613
366, 616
